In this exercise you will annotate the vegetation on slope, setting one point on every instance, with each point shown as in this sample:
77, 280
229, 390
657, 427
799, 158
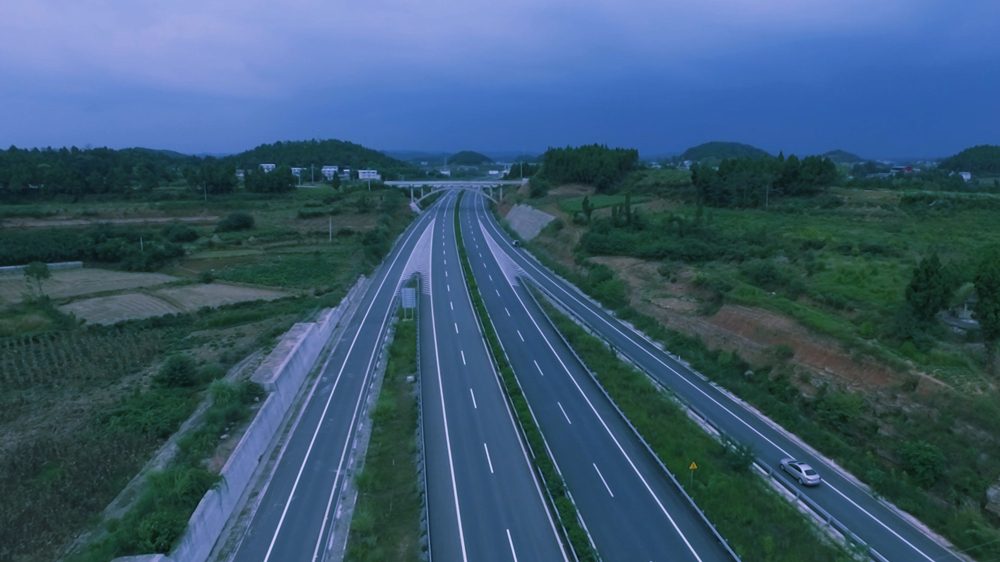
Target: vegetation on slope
721, 151
842, 157
595, 165
980, 160
469, 158
319, 153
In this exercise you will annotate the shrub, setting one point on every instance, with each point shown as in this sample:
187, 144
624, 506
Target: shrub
923, 461
180, 232
206, 276
177, 371
235, 221
783, 352
158, 530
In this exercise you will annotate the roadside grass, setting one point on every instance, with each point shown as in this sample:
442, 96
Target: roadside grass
386, 521
756, 522
331, 266
160, 515
553, 482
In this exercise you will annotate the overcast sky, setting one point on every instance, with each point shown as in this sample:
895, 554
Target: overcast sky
875, 77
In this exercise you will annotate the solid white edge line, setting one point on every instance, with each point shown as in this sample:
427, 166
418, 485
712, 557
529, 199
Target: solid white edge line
716, 402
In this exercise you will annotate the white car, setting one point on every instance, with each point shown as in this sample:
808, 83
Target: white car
800, 471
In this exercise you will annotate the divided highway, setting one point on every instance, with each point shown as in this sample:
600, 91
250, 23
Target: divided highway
890, 535
484, 501
293, 518
628, 503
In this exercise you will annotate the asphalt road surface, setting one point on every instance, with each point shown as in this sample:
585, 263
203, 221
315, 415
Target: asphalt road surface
293, 518
889, 534
484, 501
627, 501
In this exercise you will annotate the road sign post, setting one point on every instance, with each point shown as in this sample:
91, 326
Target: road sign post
691, 469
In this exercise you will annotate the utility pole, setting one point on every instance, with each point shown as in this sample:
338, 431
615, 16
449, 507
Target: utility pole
312, 174
331, 229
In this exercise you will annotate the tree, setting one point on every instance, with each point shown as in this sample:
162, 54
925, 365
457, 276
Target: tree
38, 271
987, 309
587, 207
929, 290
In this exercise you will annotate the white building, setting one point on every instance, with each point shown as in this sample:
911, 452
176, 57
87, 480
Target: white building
965, 175
329, 171
445, 172
368, 175
267, 167
239, 174
297, 171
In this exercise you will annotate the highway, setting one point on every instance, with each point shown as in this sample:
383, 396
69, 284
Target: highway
631, 508
293, 518
484, 500
890, 535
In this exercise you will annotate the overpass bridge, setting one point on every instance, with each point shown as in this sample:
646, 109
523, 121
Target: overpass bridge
426, 188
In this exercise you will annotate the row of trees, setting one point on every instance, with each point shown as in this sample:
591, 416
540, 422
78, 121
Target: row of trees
44, 174
75, 172
319, 153
594, 164
753, 182
981, 160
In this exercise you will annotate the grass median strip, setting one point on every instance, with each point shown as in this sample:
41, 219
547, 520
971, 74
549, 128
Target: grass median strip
386, 522
565, 508
757, 522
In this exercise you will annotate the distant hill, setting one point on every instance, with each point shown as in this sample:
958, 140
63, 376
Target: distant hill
162, 152
980, 160
469, 158
722, 150
843, 157
322, 153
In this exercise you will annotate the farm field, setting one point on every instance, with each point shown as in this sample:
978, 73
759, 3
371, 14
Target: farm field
77, 282
83, 406
135, 306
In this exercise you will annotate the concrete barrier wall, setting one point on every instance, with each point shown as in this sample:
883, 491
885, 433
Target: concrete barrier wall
19, 269
282, 374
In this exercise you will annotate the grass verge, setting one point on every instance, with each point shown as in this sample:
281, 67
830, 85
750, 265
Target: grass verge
757, 522
386, 522
553, 482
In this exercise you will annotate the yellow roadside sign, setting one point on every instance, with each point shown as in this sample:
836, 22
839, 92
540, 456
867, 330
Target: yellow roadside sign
693, 466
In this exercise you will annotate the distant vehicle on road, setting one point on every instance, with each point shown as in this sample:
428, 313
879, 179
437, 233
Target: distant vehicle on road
800, 471
517, 243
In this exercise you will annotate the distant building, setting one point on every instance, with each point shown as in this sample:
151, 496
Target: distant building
423, 163
240, 174
896, 170
267, 167
368, 175
685, 165
655, 165
445, 172
965, 175
494, 172
329, 171
297, 172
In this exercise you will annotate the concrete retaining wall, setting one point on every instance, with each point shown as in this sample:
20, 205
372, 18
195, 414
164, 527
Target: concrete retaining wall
282, 375
19, 269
